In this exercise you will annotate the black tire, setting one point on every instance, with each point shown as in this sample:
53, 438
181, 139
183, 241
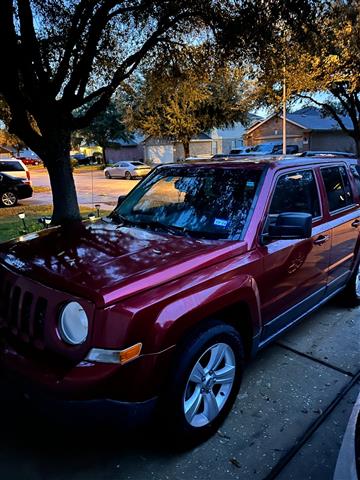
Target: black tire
8, 199
197, 347
107, 175
128, 175
351, 294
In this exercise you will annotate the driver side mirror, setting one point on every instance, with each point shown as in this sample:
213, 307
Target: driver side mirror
291, 226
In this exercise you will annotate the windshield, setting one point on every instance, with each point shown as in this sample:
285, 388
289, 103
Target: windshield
263, 148
203, 202
10, 166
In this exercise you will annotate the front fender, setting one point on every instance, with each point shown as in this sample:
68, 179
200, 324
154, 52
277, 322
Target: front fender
176, 318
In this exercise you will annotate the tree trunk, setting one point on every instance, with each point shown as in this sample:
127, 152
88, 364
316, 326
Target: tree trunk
186, 145
57, 162
357, 145
103, 155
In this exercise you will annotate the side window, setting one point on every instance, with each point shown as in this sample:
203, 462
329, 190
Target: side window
355, 170
337, 187
123, 165
296, 192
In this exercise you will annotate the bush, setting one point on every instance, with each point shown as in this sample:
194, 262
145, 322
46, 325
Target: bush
74, 163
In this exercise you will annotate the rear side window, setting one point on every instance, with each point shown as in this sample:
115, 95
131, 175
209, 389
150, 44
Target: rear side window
338, 188
11, 166
296, 192
355, 169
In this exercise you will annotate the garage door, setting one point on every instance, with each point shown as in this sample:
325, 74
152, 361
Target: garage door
160, 153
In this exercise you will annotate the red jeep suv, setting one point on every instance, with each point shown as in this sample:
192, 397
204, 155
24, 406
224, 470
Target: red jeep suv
163, 302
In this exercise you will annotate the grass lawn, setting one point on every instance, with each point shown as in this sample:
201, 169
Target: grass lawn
11, 226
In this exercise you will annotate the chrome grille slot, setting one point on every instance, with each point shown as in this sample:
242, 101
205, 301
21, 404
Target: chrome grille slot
6, 302
39, 319
14, 308
26, 314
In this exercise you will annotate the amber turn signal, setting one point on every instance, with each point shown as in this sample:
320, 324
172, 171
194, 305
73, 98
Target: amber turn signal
130, 353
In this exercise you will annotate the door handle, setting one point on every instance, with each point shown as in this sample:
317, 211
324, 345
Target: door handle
321, 240
356, 223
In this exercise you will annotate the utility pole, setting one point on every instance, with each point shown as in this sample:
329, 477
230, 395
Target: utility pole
284, 112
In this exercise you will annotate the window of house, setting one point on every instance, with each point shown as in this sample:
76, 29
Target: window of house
338, 188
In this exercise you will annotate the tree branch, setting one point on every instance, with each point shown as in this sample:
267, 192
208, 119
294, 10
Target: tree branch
331, 110
31, 57
80, 18
126, 68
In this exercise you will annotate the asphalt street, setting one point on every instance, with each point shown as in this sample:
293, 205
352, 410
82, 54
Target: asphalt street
287, 423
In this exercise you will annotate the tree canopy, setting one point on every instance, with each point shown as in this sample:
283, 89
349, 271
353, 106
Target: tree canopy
65, 55
107, 127
327, 61
193, 95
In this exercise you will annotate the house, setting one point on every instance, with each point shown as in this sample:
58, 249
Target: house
232, 137
122, 150
167, 150
219, 140
306, 128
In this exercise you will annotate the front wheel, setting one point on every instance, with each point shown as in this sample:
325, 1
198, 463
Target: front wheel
107, 175
8, 199
352, 290
204, 383
128, 176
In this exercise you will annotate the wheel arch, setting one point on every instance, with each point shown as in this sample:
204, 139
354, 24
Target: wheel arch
239, 308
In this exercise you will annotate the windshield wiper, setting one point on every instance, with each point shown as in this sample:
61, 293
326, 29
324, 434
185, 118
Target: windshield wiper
150, 224
162, 226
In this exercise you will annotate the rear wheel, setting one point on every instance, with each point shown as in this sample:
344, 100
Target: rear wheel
8, 199
128, 175
203, 384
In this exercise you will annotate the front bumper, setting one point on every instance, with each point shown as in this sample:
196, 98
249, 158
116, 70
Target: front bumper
79, 413
44, 376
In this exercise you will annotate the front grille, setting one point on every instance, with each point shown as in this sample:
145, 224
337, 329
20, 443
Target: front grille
21, 314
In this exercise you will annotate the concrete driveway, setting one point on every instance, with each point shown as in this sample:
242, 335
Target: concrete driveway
287, 423
92, 188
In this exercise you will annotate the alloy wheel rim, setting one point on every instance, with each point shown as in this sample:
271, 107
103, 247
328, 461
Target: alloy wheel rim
357, 283
8, 199
209, 385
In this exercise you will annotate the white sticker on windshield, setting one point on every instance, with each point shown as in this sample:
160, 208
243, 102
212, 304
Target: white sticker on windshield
219, 222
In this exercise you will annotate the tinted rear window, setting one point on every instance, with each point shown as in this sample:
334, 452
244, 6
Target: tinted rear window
355, 169
10, 166
337, 186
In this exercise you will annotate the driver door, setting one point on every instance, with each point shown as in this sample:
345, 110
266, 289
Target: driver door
295, 271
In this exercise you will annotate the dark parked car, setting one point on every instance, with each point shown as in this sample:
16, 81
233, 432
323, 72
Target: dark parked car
290, 149
13, 189
162, 304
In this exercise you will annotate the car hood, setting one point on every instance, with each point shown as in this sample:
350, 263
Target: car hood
106, 262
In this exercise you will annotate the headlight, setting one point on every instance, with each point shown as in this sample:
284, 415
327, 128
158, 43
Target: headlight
73, 324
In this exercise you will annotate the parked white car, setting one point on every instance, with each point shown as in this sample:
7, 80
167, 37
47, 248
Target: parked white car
15, 168
127, 170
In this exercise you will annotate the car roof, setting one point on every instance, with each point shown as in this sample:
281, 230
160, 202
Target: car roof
262, 161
